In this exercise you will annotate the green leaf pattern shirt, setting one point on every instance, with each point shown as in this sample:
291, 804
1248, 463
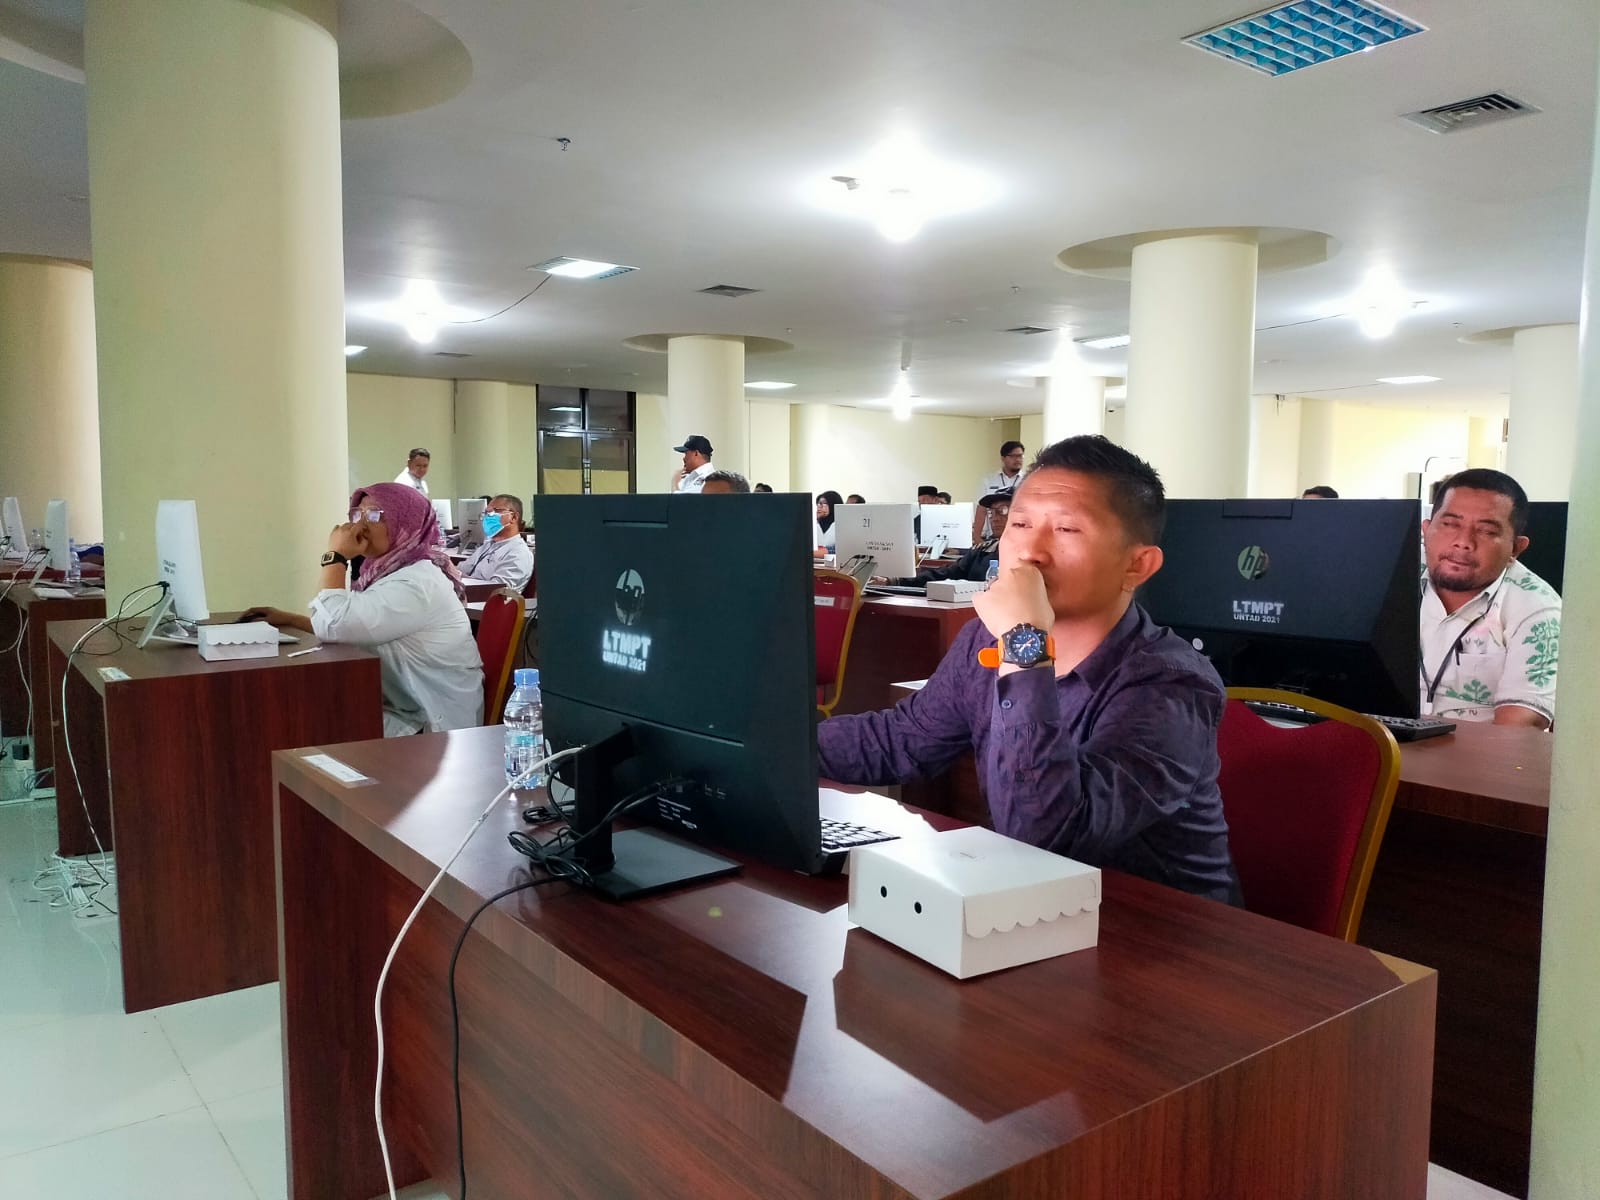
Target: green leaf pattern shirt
1507, 657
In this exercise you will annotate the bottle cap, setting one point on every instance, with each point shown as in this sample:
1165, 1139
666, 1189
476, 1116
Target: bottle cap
526, 677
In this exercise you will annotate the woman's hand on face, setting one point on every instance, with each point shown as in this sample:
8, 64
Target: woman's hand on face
349, 540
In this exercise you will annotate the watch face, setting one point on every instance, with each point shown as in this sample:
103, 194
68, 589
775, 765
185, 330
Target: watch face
1025, 645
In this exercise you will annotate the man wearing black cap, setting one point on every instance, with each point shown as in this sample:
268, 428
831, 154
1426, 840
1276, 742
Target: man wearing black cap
691, 477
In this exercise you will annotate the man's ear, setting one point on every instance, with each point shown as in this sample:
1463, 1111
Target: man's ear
1518, 545
1145, 562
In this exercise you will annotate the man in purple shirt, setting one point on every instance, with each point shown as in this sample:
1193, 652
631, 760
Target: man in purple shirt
1096, 733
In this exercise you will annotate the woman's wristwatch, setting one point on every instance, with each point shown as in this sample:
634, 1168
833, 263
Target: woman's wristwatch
334, 559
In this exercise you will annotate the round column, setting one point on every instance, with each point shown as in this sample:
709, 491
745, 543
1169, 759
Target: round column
214, 177
49, 415
485, 442
1191, 358
1074, 404
1540, 450
1566, 1077
705, 394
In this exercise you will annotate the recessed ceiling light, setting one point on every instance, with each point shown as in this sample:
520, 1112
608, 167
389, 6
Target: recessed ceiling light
581, 268
352, 351
1114, 342
567, 408
769, 385
1408, 379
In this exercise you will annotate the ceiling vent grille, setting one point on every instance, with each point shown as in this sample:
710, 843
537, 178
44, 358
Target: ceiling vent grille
450, 354
1302, 34
1028, 329
730, 291
1469, 114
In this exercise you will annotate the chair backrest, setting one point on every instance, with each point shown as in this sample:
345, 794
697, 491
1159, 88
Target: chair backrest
499, 637
1306, 808
838, 599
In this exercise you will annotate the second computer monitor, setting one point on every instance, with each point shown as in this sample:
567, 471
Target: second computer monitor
469, 511
16, 531
57, 543
950, 522
884, 532
1309, 596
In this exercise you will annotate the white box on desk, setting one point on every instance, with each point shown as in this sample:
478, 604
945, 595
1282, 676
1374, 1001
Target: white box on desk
250, 639
971, 901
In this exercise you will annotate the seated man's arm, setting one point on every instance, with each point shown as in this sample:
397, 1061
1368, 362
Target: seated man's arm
920, 736
1527, 691
1151, 746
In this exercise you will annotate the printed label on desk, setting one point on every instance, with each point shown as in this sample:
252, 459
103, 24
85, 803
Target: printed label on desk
114, 674
329, 765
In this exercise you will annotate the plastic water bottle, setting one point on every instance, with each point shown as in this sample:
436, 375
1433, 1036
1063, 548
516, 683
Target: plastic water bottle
74, 570
524, 721
991, 574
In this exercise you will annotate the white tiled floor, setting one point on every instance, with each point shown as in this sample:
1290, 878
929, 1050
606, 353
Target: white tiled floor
183, 1103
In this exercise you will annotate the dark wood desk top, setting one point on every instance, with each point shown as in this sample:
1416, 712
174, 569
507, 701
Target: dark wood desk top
25, 598
1495, 775
758, 982
921, 606
165, 660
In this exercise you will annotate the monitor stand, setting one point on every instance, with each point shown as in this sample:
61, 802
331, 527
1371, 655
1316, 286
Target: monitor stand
635, 862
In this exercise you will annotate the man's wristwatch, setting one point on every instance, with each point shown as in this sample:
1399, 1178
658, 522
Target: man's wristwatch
334, 559
1026, 646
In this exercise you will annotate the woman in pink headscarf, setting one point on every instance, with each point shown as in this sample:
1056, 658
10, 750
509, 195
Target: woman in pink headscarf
404, 604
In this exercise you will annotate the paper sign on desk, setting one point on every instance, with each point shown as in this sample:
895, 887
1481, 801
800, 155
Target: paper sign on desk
114, 674
329, 765
54, 593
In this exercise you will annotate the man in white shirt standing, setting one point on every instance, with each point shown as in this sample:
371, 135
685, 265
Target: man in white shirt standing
1491, 628
1003, 480
504, 557
415, 474
691, 477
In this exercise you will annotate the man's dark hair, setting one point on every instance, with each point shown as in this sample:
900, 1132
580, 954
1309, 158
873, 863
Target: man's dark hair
1322, 490
511, 502
927, 489
419, 452
1010, 448
1485, 480
1132, 485
733, 479
944, 497
763, 487
855, 498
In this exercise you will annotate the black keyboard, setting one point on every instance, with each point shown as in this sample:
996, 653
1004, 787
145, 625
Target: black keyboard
1404, 729
838, 836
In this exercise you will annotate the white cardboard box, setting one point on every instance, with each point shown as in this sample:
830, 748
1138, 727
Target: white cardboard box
249, 639
971, 901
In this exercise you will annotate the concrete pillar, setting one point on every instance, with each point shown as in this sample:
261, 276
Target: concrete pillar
1566, 1081
705, 394
49, 418
1074, 404
1190, 362
1544, 410
214, 176
485, 462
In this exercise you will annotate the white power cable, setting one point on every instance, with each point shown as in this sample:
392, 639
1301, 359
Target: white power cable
383, 975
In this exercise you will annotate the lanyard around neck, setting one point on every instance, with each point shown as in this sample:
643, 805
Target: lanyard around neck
1455, 648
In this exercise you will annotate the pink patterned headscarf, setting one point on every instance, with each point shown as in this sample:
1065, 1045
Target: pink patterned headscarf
413, 535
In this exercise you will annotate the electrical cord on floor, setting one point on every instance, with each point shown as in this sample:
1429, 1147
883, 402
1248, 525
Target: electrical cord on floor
405, 928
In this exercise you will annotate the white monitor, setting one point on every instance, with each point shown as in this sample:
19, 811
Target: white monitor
56, 541
470, 512
951, 522
16, 531
883, 531
178, 563
441, 509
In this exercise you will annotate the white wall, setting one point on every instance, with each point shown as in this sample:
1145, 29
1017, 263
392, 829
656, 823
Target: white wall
1365, 451
1030, 432
860, 450
1274, 447
388, 415
1117, 424
654, 461
1485, 446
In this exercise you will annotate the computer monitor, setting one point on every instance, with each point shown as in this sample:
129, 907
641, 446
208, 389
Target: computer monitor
179, 567
16, 532
57, 543
884, 532
1546, 555
678, 644
470, 512
1305, 595
441, 510
952, 522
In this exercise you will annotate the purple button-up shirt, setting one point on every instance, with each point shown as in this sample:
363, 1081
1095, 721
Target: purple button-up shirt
1114, 764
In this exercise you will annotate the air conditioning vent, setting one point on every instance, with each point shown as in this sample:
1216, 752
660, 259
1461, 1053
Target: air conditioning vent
1304, 33
450, 354
1469, 114
1028, 329
731, 291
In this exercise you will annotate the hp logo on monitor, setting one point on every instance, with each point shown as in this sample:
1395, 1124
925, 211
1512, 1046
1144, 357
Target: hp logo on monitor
629, 597
1253, 562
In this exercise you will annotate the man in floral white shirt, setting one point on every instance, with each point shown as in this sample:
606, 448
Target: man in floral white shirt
1491, 628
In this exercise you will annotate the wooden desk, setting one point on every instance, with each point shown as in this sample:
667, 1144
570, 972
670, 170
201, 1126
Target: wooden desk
25, 674
1459, 885
897, 638
739, 1039
174, 767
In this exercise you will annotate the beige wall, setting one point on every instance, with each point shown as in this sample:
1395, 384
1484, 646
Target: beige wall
1030, 432
1274, 447
1485, 447
1365, 451
859, 450
389, 414
496, 438
1117, 424
654, 461
770, 443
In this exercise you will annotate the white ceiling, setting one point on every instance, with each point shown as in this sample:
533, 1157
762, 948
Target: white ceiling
697, 129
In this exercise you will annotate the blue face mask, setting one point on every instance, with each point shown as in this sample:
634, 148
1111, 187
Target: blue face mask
491, 524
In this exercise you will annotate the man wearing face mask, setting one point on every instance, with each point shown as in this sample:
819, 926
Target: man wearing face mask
504, 556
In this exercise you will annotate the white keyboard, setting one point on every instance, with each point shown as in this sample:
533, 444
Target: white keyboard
958, 591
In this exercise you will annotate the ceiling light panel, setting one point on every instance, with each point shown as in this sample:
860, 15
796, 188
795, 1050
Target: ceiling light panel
769, 385
1404, 379
581, 268
1293, 36
1113, 342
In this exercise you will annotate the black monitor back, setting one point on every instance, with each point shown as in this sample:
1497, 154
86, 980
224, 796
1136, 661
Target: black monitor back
688, 621
1546, 555
1313, 596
